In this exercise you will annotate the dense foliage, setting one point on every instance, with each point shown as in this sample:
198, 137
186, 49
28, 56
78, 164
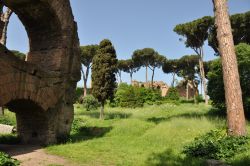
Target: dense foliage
148, 58
195, 32
215, 77
172, 94
90, 103
216, 144
171, 66
128, 66
240, 24
104, 68
6, 160
132, 97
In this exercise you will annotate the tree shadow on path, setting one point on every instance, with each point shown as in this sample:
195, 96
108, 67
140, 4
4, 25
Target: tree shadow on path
211, 115
108, 115
87, 133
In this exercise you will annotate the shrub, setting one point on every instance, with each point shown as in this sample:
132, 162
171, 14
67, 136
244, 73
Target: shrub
90, 103
6, 160
216, 145
172, 94
76, 125
132, 97
151, 96
127, 96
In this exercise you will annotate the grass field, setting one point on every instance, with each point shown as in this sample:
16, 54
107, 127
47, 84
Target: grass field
151, 136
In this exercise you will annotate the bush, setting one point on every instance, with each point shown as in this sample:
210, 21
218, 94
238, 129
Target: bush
215, 77
128, 96
132, 97
90, 103
172, 94
6, 160
216, 145
151, 96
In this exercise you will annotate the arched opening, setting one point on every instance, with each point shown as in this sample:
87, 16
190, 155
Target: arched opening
40, 91
32, 121
18, 45
44, 32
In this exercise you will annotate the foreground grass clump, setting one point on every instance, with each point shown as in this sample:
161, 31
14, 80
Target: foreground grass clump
216, 144
6, 160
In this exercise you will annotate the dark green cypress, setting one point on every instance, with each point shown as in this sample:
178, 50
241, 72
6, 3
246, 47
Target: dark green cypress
104, 69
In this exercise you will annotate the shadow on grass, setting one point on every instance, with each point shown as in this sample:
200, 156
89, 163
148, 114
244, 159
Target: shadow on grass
87, 133
168, 158
213, 114
9, 139
108, 115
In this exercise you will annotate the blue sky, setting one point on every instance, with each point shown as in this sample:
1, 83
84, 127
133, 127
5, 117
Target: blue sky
131, 25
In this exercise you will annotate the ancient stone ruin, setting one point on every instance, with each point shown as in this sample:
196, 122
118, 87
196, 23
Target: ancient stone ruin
41, 89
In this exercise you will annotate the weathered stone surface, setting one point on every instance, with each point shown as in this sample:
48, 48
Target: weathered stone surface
41, 89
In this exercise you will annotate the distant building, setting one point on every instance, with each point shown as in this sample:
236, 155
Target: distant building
157, 84
181, 88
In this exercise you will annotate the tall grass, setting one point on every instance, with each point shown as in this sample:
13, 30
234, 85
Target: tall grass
153, 135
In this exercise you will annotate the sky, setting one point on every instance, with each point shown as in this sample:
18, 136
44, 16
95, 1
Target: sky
131, 25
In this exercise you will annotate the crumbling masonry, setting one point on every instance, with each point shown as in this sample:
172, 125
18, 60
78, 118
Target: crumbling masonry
41, 89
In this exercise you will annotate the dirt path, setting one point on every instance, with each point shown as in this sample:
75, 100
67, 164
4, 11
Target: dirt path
30, 155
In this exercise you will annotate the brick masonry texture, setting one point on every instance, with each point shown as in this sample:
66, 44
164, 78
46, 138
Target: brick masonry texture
41, 89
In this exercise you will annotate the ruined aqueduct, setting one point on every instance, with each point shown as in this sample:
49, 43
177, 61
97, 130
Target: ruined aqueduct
41, 90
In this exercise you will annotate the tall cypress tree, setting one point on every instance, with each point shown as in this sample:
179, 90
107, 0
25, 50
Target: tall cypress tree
104, 69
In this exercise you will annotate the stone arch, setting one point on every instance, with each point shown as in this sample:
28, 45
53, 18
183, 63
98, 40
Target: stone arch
47, 80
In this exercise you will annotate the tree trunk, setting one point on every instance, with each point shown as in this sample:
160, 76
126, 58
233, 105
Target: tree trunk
152, 79
235, 112
201, 85
5, 18
131, 78
102, 111
173, 80
195, 86
146, 74
85, 87
120, 76
202, 72
187, 91
85, 80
